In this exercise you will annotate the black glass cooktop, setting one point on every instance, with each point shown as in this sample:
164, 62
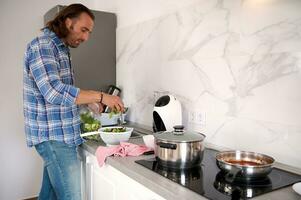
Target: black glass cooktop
207, 180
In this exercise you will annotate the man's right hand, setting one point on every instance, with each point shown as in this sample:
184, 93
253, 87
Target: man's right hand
91, 96
114, 102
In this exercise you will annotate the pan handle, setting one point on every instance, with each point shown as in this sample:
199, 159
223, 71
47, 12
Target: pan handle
167, 145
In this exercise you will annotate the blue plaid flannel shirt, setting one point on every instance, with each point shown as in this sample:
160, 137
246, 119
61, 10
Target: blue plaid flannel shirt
50, 112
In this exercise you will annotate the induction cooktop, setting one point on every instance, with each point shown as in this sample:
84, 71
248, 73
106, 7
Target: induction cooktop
208, 181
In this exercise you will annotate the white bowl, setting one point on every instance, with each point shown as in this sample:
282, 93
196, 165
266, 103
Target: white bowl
297, 188
108, 119
149, 141
111, 138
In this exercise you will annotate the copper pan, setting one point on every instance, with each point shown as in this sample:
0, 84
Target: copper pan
244, 164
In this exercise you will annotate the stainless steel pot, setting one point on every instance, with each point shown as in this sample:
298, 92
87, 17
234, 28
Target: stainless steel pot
179, 148
244, 164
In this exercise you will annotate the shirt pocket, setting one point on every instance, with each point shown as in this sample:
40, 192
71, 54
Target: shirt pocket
65, 70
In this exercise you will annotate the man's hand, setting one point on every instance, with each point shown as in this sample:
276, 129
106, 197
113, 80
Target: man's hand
96, 107
114, 102
90, 97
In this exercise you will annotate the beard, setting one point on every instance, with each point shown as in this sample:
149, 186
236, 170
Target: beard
73, 45
73, 42
71, 39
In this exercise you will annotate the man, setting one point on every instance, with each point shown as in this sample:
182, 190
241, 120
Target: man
51, 101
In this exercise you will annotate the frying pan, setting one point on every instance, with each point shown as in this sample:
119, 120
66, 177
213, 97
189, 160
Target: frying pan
245, 164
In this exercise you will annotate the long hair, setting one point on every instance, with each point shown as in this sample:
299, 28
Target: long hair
58, 26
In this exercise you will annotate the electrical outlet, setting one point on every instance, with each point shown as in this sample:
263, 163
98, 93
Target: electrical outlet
195, 117
191, 117
200, 118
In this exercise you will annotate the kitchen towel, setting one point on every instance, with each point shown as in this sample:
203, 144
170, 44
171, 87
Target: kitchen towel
124, 149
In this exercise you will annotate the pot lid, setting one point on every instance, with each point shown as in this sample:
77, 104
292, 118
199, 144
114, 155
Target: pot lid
179, 135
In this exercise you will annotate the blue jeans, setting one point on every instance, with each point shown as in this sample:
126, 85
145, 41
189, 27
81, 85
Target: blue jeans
62, 174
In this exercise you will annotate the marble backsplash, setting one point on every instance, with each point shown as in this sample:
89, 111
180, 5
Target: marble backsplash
233, 63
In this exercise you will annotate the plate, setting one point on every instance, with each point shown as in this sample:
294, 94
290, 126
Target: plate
89, 133
297, 188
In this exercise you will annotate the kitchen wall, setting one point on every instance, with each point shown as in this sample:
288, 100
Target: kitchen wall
21, 167
233, 64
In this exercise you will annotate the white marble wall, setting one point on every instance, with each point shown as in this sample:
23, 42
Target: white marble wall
235, 62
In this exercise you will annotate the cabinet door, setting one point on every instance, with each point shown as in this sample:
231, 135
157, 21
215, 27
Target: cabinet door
124, 186
132, 190
108, 183
99, 186
103, 187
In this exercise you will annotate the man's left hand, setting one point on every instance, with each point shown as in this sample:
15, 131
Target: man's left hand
96, 107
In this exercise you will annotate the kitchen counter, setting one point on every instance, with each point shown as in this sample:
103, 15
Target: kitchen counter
167, 188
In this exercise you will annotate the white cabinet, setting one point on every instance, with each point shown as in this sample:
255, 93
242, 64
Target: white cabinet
102, 186
82, 159
107, 183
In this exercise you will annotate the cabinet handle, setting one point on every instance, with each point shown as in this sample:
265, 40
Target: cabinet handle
88, 160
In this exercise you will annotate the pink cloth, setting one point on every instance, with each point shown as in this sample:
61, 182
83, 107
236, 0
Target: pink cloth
124, 149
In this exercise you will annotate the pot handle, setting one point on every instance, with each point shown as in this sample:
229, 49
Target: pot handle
167, 145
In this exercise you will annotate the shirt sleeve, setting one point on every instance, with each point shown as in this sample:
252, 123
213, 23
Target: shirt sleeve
44, 66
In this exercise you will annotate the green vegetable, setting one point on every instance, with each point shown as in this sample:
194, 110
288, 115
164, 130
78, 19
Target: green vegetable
88, 123
115, 130
115, 112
